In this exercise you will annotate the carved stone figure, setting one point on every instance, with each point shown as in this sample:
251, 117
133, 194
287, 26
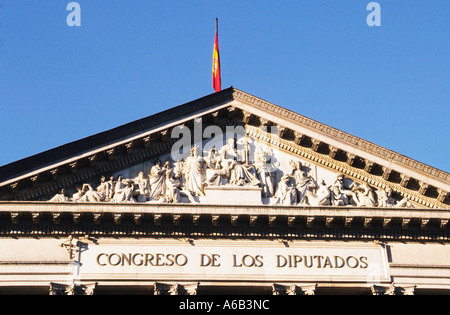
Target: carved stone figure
364, 196
286, 194
321, 197
241, 173
266, 174
61, 197
77, 196
385, 198
104, 189
157, 181
144, 187
338, 197
194, 171
112, 185
87, 194
124, 191
303, 182
174, 189
218, 170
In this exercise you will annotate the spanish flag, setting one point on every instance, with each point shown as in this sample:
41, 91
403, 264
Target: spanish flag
216, 64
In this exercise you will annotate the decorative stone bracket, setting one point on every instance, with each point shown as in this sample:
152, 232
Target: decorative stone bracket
72, 289
175, 288
393, 290
294, 289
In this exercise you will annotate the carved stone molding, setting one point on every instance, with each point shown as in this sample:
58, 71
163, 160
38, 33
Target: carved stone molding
386, 173
35, 180
56, 217
195, 219
405, 223
310, 221
176, 219
350, 158
291, 221
272, 221
329, 221
71, 246
117, 218
298, 137
137, 218
333, 151
393, 290
348, 170
348, 222
215, 220
253, 220
175, 288
234, 220
76, 218
424, 223
386, 222
97, 218
423, 188
405, 180
326, 130
294, 289
368, 166
35, 216
441, 195
157, 219
72, 289
367, 222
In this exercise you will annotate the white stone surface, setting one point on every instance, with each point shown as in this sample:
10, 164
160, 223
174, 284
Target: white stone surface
233, 195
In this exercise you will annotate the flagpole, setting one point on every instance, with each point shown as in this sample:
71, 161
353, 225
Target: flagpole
216, 62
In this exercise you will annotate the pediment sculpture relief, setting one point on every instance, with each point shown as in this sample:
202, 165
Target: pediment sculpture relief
186, 180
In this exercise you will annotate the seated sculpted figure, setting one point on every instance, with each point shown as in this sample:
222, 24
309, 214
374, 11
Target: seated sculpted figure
60, 197
385, 199
104, 189
87, 194
321, 197
123, 191
174, 190
241, 173
218, 170
363, 196
338, 197
286, 194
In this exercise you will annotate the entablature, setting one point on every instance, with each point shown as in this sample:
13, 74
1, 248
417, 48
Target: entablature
209, 220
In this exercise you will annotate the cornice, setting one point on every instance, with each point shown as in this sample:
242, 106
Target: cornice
357, 142
343, 167
44, 219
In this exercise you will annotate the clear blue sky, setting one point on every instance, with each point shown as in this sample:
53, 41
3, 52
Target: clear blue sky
130, 59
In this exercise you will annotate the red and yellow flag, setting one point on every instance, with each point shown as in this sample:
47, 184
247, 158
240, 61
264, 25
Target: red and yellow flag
216, 64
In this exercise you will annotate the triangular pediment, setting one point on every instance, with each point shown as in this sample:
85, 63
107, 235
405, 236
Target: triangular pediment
276, 152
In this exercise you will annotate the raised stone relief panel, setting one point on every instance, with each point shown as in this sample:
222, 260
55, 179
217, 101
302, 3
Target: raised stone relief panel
231, 169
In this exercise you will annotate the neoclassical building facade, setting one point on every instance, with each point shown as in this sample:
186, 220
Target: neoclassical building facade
227, 194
